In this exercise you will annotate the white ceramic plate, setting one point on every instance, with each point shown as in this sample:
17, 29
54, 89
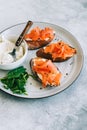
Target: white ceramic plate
70, 68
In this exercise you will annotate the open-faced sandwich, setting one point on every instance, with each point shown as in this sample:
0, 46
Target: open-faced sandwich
57, 52
46, 72
37, 37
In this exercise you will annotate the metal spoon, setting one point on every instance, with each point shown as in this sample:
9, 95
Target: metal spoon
20, 38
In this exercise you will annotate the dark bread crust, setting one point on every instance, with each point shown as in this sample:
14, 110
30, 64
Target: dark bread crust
34, 73
42, 54
32, 45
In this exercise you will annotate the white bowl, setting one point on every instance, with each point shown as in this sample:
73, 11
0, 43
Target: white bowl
17, 63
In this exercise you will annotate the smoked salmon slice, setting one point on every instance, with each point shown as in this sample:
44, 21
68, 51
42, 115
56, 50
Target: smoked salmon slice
57, 52
38, 37
47, 73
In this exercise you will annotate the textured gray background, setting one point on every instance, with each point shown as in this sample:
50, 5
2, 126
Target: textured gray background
64, 111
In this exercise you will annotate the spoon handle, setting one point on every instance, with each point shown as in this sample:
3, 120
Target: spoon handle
27, 27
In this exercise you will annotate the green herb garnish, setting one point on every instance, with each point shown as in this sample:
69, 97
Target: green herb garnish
16, 79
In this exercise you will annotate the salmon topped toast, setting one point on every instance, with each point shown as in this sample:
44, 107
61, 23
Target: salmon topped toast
37, 37
46, 72
57, 52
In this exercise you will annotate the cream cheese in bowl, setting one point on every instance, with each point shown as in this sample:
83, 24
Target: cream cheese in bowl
6, 59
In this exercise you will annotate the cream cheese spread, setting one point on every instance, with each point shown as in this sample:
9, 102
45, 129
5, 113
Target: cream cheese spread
6, 47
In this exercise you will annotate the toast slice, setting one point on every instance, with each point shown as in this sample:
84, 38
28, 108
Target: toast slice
57, 52
37, 37
45, 71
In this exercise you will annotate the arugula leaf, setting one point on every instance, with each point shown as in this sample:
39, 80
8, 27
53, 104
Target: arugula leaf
16, 72
15, 80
